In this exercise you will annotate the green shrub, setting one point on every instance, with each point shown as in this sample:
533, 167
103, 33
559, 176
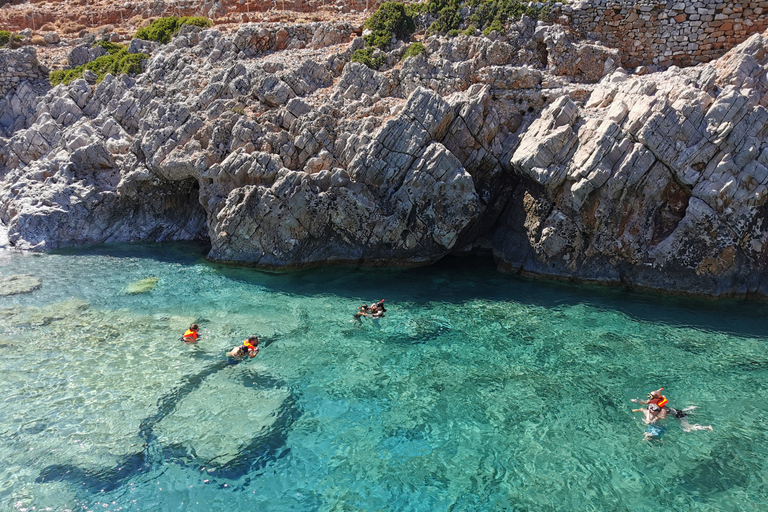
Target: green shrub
6, 37
391, 17
448, 15
390, 20
490, 15
365, 56
486, 15
117, 62
393, 20
414, 50
496, 25
163, 29
111, 48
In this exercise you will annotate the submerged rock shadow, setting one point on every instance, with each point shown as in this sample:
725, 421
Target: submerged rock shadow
264, 447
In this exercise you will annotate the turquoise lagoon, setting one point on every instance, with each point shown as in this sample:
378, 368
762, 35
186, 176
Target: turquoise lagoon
477, 391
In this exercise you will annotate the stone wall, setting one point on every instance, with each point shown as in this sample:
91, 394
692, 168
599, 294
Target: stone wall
18, 66
682, 33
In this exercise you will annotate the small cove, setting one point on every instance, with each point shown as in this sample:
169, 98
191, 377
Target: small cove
477, 391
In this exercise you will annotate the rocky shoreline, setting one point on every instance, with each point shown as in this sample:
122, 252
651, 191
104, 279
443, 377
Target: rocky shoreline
532, 145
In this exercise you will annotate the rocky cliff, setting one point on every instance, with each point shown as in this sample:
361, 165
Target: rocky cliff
530, 145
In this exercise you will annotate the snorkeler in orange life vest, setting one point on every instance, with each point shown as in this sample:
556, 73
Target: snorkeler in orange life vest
658, 409
250, 348
657, 406
191, 334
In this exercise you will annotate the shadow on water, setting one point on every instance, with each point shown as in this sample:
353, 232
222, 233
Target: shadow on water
264, 447
460, 279
186, 253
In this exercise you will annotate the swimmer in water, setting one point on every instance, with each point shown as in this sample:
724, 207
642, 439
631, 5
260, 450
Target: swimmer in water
362, 311
192, 334
250, 348
682, 415
378, 309
656, 406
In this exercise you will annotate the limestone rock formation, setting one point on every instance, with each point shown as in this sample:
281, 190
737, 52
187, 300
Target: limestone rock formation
531, 145
658, 181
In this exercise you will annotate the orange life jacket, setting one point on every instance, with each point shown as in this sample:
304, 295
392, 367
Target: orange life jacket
660, 401
191, 334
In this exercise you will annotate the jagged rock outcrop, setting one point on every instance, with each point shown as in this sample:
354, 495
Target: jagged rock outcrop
658, 181
282, 152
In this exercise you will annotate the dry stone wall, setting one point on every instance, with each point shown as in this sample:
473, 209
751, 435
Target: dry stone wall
18, 66
653, 32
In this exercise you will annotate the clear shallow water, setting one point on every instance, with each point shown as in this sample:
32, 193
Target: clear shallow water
477, 391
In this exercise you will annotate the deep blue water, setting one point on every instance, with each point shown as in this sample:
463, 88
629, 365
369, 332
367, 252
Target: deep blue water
477, 391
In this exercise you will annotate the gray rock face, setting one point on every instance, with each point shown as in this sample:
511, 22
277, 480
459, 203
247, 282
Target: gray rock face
271, 144
142, 46
83, 54
657, 181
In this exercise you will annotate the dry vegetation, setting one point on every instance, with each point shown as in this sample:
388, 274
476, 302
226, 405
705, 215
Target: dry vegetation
118, 22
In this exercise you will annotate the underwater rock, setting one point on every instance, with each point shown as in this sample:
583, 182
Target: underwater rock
19, 283
216, 432
142, 285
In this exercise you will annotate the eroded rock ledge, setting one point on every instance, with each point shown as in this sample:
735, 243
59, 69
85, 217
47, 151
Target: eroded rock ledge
283, 153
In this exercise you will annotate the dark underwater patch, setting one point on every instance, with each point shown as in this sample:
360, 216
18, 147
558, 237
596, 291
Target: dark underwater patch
263, 449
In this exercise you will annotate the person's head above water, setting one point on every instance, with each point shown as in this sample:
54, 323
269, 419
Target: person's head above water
253, 339
656, 393
194, 327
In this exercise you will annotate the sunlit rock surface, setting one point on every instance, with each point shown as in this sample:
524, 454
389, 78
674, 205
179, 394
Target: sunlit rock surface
531, 146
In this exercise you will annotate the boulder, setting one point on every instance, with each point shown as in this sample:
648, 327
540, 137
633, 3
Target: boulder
51, 38
19, 283
142, 46
142, 285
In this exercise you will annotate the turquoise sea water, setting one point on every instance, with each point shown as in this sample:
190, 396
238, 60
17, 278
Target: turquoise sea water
477, 391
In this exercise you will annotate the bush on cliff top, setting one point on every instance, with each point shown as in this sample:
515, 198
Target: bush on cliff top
368, 57
414, 50
390, 20
393, 20
163, 29
117, 62
6, 37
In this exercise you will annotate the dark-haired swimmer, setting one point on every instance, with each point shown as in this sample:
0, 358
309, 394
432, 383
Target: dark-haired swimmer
250, 348
378, 309
192, 334
681, 414
362, 311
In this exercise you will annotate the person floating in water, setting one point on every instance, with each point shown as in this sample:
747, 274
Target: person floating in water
192, 334
362, 311
378, 309
682, 415
250, 348
375, 310
656, 406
